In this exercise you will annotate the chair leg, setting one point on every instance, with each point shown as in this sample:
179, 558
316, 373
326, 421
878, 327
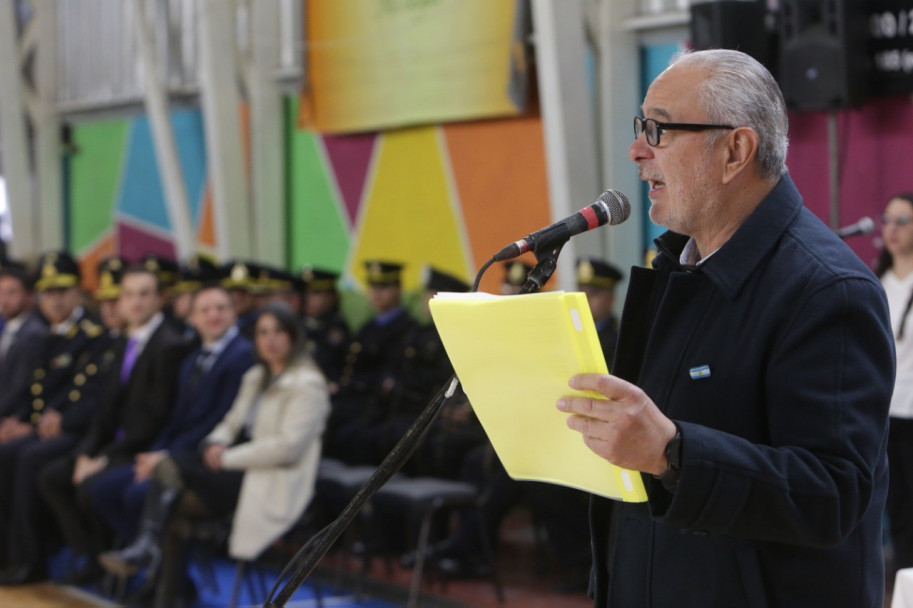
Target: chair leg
236, 586
490, 556
420, 553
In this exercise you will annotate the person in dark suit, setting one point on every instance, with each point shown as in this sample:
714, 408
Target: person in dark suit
197, 271
138, 399
62, 385
208, 382
21, 339
367, 379
754, 371
326, 331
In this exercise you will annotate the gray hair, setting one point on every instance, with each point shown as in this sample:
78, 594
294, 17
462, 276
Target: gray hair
740, 91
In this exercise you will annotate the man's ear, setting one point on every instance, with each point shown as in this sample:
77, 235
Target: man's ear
741, 150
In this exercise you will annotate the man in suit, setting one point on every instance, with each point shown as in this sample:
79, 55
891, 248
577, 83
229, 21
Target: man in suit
21, 337
208, 382
46, 423
139, 396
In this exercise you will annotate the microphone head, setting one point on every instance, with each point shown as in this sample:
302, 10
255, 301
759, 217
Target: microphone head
617, 204
866, 225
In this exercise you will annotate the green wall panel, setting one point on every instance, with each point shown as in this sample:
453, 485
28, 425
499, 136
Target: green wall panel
95, 172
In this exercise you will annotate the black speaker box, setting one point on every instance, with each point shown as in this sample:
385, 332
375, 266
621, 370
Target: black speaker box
734, 24
823, 59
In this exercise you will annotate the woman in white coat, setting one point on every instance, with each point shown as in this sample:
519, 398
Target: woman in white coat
260, 462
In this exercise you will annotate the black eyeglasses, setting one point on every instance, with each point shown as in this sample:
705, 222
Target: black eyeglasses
653, 128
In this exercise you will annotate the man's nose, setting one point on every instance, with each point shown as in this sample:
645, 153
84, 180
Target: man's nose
640, 149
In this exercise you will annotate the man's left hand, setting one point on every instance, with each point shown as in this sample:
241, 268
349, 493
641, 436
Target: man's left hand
50, 425
626, 428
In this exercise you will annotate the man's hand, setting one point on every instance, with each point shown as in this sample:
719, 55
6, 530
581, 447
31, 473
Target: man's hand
626, 428
212, 457
11, 429
86, 467
145, 464
50, 425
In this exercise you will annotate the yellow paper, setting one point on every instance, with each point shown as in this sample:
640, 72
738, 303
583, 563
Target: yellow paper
514, 356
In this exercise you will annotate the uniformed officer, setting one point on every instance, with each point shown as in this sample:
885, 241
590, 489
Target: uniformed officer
239, 277
325, 329
63, 397
197, 271
110, 270
597, 279
21, 337
367, 376
515, 272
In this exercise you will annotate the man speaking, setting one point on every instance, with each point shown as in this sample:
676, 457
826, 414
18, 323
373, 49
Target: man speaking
753, 372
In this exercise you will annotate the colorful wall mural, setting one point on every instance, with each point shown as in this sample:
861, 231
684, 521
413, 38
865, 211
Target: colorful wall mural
448, 195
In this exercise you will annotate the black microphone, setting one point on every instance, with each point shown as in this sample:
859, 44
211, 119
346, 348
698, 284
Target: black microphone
612, 207
864, 226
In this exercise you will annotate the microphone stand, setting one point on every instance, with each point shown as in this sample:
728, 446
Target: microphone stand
307, 558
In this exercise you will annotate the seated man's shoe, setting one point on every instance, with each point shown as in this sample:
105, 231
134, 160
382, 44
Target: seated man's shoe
132, 559
23, 575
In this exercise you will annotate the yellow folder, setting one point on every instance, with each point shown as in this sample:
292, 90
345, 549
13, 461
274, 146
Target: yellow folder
514, 356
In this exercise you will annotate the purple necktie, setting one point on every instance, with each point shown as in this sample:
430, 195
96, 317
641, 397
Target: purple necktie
129, 360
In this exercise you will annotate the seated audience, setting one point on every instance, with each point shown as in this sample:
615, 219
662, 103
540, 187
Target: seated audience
259, 463
138, 399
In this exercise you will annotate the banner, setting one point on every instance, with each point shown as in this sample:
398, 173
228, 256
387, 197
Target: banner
377, 64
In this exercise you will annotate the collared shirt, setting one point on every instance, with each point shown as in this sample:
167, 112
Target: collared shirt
691, 256
10, 330
144, 332
214, 349
62, 328
384, 318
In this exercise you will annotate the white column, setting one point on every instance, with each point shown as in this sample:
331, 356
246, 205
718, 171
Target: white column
14, 141
166, 153
568, 118
620, 99
222, 118
266, 132
46, 125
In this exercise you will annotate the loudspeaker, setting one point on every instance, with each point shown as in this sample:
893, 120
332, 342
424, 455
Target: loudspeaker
734, 24
823, 59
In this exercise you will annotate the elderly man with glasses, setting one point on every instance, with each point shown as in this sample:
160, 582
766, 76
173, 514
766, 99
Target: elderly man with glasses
753, 372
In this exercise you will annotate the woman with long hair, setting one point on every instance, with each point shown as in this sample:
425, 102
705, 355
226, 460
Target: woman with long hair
259, 463
895, 269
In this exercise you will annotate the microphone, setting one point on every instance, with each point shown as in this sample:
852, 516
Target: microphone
864, 226
612, 207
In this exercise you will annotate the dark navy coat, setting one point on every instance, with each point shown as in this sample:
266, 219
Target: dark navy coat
775, 358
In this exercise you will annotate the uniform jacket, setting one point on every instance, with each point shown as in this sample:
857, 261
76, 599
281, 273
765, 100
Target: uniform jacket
20, 362
328, 342
775, 358
63, 357
373, 354
199, 408
280, 460
131, 415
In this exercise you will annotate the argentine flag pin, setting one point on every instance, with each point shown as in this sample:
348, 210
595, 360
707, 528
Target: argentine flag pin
699, 372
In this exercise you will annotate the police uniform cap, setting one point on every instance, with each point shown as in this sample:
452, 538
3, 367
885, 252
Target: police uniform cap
110, 272
594, 272
166, 269
271, 279
197, 271
515, 273
240, 274
436, 280
56, 270
383, 273
318, 279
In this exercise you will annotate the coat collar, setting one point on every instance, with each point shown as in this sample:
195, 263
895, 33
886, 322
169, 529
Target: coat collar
737, 259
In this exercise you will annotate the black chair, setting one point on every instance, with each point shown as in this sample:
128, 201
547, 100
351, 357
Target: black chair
421, 498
